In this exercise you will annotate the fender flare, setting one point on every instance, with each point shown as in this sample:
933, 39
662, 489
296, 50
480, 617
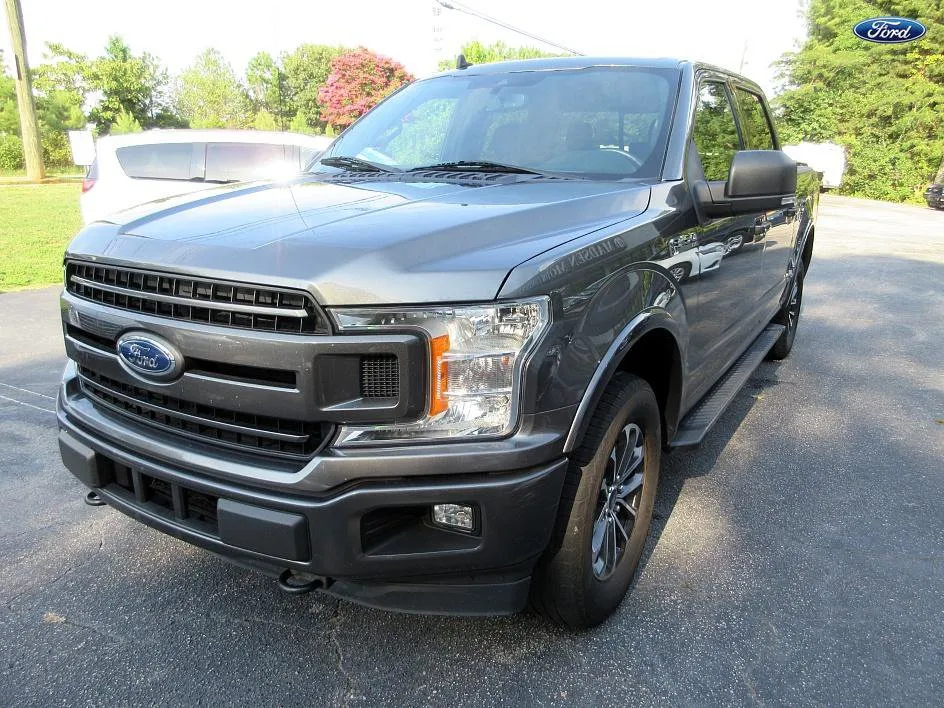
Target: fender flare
646, 321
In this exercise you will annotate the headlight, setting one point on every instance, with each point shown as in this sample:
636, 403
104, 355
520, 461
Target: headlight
476, 354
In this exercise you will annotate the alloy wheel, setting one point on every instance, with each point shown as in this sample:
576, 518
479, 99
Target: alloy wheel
793, 308
618, 501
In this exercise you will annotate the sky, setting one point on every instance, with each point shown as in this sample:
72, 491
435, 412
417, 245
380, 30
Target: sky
746, 35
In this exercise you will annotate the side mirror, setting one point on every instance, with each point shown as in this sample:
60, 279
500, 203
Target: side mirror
759, 180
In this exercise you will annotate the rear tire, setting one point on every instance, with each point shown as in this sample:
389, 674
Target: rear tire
789, 316
605, 511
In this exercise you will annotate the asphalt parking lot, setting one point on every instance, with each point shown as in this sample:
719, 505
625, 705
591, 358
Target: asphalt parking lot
797, 558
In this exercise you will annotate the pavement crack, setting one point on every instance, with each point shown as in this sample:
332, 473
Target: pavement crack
334, 623
120, 638
26, 390
56, 579
28, 405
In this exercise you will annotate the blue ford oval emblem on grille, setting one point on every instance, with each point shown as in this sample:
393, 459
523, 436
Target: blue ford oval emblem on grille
147, 355
889, 30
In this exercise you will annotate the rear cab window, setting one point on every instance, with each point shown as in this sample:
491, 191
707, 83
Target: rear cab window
754, 122
173, 161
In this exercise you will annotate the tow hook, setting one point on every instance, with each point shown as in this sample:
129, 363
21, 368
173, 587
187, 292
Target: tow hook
300, 583
92, 499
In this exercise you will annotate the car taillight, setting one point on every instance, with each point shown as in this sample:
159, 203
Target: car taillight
87, 184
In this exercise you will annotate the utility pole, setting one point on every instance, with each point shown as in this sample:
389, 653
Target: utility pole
29, 128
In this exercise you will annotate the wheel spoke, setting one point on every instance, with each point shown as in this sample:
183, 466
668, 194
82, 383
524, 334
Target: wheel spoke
629, 507
630, 486
599, 532
632, 454
620, 527
612, 547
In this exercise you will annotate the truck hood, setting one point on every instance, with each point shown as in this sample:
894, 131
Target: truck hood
385, 242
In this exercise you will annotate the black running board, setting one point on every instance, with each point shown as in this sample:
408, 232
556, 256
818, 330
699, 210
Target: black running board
706, 412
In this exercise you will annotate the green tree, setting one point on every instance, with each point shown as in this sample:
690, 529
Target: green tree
299, 124
306, 71
125, 123
58, 110
9, 115
478, 53
268, 90
63, 70
119, 82
128, 84
265, 121
884, 103
209, 95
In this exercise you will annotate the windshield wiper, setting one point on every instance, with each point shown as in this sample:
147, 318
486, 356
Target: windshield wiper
355, 163
477, 166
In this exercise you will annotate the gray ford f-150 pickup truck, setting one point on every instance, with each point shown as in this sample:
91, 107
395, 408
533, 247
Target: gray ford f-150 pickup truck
438, 371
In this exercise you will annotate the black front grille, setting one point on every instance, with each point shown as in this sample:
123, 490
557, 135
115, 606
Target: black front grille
234, 429
213, 302
380, 376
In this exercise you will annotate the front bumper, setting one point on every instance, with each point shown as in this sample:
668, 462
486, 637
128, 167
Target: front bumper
371, 537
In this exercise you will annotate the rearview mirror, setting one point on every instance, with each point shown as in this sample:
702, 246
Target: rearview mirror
759, 180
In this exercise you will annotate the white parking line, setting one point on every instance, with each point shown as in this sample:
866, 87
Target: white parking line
26, 390
28, 405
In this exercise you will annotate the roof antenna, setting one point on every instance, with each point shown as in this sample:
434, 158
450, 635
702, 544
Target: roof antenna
461, 63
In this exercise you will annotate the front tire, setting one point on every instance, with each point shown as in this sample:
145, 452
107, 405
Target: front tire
605, 510
680, 271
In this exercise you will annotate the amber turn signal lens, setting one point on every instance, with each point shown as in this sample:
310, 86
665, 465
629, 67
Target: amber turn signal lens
438, 375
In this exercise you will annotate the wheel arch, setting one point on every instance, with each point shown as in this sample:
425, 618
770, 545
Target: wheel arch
649, 347
806, 254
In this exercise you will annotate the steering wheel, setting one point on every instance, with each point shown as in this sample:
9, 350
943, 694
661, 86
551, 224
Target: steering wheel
637, 163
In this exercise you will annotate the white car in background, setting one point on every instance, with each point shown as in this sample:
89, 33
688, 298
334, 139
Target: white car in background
828, 158
140, 167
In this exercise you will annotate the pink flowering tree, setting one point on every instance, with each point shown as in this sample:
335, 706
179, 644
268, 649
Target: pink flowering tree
358, 81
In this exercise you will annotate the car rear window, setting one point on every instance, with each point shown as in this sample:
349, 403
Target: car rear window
230, 162
160, 161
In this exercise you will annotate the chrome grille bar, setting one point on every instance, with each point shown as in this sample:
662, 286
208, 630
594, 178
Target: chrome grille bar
293, 439
242, 429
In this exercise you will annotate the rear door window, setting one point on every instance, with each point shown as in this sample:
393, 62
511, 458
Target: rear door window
757, 134
238, 162
178, 161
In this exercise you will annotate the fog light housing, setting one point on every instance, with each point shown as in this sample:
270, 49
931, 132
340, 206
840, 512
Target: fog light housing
458, 517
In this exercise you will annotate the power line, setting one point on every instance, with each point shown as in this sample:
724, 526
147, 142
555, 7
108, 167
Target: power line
452, 5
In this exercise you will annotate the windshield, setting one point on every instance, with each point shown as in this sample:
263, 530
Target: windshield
596, 123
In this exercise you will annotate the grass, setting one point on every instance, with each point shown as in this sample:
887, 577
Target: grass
54, 172
36, 223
